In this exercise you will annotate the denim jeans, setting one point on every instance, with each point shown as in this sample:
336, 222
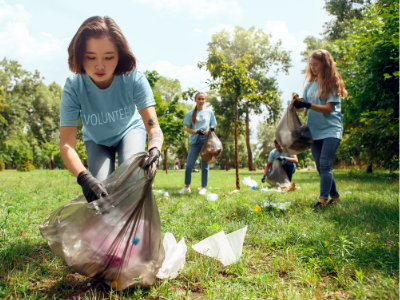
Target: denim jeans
194, 152
323, 152
101, 158
289, 168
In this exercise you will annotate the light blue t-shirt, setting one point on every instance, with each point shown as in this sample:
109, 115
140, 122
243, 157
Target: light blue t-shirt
205, 119
322, 125
274, 154
107, 114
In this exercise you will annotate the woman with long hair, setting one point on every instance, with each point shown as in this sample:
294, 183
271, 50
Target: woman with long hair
198, 122
322, 95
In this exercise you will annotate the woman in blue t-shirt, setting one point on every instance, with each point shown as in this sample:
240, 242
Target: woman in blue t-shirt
322, 96
107, 94
198, 122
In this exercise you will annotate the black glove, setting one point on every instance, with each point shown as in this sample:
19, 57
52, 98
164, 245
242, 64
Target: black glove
281, 158
91, 187
154, 156
200, 132
301, 104
263, 179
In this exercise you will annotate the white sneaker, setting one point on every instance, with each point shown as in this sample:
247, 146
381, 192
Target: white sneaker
185, 190
202, 191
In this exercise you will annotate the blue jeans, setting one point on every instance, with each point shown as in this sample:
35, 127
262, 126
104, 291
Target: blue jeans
101, 158
289, 168
194, 152
323, 152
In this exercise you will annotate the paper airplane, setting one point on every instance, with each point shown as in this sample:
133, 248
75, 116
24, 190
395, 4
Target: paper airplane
225, 248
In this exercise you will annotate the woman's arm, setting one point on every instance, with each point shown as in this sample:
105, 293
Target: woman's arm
325, 109
67, 150
156, 137
292, 159
190, 130
267, 168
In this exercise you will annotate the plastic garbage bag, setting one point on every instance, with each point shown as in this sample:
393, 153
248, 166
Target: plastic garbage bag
212, 197
211, 151
175, 257
225, 248
278, 176
116, 238
250, 182
293, 135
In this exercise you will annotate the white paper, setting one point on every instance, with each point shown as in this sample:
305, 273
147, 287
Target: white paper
225, 248
175, 254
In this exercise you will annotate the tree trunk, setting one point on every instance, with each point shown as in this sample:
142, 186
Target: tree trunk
182, 163
166, 160
249, 154
358, 161
227, 163
52, 162
236, 143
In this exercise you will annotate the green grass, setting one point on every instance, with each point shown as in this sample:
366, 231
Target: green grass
349, 251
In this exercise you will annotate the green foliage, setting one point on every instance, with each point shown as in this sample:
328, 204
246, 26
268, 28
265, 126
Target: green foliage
368, 62
2, 165
167, 88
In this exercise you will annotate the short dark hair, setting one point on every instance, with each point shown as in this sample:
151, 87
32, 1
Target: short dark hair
97, 27
276, 142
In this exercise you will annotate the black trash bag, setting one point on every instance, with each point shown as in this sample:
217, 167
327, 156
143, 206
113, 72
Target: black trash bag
211, 151
293, 135
278, 176
116, 238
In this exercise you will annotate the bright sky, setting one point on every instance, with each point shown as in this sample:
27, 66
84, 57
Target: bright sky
169, 36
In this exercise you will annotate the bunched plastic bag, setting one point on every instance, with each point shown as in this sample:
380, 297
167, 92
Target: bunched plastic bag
293, 135
278, 176
116, 238
211, 151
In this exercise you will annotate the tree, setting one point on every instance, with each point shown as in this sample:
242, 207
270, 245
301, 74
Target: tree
368, 62
50, 150
264, 57
167, 88
232, 78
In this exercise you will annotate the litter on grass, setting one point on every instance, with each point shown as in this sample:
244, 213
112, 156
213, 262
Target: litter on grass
212, 197
233, 192
162, 193
281, 206
287, 188
257, 209
175, 254
225, 248
266, 189
250, 182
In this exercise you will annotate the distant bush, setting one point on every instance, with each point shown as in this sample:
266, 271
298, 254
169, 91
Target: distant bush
2, 166
26, 165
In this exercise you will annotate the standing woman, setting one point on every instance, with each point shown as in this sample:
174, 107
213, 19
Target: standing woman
198, 121
107, 93
322, 96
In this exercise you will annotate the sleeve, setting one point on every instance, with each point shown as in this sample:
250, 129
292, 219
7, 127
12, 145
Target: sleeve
70, 107
213, 121
333, 98
142, 92
188, 118
271, 157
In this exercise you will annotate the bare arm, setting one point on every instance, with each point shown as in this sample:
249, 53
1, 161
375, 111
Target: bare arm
292, 159
67, 150
325, 109
156, 137
267, 168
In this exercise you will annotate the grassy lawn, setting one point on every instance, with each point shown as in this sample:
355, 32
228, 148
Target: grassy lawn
350, 251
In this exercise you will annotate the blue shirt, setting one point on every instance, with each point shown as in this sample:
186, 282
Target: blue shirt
322, 125
274, 154
205, 119
107, 114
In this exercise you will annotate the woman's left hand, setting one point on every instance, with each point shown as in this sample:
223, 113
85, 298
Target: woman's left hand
206, 132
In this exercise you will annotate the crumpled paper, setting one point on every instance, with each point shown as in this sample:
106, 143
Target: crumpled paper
175, 254
225, 248
212, 197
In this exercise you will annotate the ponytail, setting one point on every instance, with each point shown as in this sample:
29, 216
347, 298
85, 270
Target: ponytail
194, 114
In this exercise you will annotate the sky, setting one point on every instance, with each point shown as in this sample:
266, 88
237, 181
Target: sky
169, 36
